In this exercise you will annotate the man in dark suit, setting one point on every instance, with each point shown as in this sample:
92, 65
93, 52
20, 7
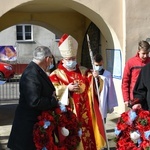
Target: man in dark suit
37, 94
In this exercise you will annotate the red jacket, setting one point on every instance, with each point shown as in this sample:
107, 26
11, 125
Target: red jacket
131, 71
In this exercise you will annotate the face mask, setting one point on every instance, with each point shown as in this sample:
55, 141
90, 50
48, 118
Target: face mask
98, 68
71, 64
51, 66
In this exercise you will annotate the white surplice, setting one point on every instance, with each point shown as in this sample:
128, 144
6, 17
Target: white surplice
108, 98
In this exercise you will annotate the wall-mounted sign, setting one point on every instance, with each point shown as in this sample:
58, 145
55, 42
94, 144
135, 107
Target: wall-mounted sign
8, 53
114, 62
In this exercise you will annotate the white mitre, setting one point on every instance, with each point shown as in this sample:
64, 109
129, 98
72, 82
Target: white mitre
68, 46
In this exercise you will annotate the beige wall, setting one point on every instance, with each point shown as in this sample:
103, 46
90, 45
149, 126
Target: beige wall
122, 22
137, 24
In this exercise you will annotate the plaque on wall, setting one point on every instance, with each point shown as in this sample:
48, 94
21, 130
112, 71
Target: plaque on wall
114, 62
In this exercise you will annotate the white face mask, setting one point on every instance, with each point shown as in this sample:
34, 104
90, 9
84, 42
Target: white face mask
71, 64
51, 66
98, 68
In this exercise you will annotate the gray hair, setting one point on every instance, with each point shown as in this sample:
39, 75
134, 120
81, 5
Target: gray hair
41, 52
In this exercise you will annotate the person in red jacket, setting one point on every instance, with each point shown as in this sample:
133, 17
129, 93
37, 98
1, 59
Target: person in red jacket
132, 69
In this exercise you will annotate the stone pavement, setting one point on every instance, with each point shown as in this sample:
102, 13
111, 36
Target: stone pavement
7, 109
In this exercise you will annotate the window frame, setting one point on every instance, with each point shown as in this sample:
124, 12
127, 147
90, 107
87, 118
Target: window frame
24, 33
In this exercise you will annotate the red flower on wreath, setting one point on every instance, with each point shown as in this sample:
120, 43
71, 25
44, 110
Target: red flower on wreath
55, 124
133, 130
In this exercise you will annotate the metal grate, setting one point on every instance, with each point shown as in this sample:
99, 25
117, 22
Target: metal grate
10, 90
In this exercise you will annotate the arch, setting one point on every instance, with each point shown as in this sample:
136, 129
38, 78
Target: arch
27, 12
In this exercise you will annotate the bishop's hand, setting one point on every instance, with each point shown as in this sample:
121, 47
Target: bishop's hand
74, 87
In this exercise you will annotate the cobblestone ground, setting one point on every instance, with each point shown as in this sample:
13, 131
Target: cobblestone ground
7, 110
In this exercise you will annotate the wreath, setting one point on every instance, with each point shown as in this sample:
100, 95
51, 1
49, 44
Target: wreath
133, 130
58, 129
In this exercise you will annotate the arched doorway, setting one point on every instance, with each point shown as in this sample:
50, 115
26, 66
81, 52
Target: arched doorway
94, 35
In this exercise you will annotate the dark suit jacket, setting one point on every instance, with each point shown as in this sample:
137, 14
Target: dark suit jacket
36, 92
142, 87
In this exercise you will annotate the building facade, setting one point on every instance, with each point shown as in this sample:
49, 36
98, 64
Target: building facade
25, 38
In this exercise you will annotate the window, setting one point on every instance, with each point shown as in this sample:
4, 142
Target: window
24, 32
